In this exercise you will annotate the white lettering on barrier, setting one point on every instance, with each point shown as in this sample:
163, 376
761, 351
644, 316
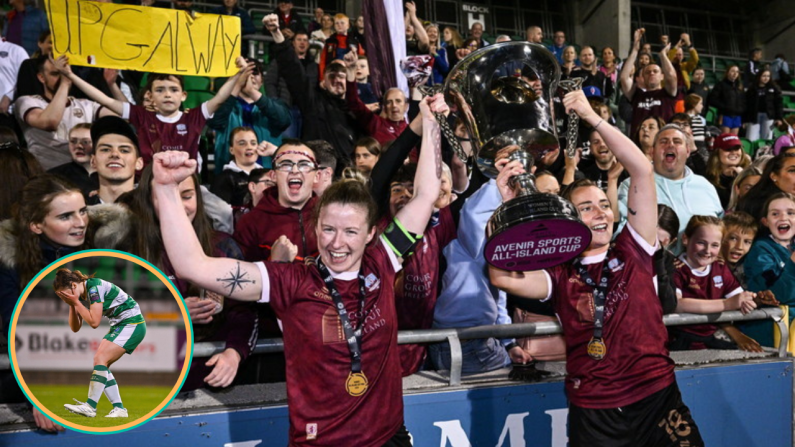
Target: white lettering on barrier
453, 434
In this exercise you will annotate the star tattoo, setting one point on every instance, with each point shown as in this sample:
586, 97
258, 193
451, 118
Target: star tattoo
235, 280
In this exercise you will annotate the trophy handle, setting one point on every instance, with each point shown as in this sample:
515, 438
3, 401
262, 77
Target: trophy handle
572, 131
449, 133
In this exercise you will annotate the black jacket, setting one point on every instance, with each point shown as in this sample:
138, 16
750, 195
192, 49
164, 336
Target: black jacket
763, 100
325, 117
728, 98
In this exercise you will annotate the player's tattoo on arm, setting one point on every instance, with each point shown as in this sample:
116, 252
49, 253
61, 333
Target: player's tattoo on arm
631, 211
236, 279
436, 136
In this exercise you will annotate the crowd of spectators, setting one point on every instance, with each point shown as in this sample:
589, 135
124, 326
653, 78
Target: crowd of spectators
728, 202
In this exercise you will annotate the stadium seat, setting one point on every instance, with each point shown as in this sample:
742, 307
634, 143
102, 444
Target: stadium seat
747, 146
195, 98
198, 83
759, 143
711, 115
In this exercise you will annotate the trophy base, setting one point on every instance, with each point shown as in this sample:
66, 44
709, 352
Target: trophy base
535, 232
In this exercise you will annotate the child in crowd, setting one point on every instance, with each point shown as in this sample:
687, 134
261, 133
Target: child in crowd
770, 264
740, 232
232, 184
364, 86
168, 128
694, 105
705, 285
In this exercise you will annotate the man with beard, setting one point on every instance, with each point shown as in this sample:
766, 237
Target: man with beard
604, 161
46, 120
116, 157
323, 107
590, 74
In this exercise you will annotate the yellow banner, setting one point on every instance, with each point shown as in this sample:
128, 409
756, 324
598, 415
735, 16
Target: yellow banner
145, 39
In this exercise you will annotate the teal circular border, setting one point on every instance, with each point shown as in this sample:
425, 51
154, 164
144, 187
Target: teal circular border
64, 260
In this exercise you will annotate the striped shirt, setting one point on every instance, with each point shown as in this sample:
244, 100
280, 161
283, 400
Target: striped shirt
699, 127
117, 306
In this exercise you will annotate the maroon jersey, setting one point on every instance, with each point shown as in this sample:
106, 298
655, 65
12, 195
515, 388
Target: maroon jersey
322, 413
636, 364
417, 288
651, 103
157, 133
715, 283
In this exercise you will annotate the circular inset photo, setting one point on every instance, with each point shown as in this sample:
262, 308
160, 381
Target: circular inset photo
100, 341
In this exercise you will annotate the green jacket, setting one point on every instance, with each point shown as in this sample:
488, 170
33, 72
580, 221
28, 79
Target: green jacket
270, 117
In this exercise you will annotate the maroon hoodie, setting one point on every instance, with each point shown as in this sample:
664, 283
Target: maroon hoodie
257, 230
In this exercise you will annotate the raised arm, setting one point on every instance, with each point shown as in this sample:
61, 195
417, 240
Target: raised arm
668, 71
78, 312
50, 117
114, 105
245, 70
419, 30
229, 277
625, 78
642, 198
428, 179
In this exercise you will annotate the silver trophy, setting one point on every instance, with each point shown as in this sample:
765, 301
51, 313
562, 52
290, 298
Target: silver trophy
503, 94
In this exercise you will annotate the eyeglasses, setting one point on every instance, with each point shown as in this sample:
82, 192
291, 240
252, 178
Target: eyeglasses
303, 166
83, 142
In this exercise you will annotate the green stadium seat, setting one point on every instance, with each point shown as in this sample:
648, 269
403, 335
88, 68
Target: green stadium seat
196, 98
198, 83
747, 146
712, 115
759, 143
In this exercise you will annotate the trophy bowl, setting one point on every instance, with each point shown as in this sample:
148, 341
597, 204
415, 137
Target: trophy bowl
503, 94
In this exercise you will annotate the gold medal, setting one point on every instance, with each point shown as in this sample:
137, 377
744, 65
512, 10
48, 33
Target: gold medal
597, 349
356, 384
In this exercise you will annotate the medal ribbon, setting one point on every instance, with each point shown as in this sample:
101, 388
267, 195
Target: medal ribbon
599, 294
352, 335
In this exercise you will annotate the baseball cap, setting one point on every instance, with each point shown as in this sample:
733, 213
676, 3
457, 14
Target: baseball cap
727, 141
592, 91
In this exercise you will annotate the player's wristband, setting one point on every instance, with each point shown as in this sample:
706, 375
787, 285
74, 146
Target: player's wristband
400, 240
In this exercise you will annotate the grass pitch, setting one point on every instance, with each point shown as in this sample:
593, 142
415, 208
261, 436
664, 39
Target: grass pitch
138, 400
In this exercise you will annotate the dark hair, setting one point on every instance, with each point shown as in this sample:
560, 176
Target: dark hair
679, 117
758, 79
334, 69
636, 135
776, 196
152, 77
33, 207
65, 277
236, 131
738, 83
39, 63
256, 174
293, 142
144, 238
404, 174
17, 167
348, 192
668, 220
325, 154
371, 144
752, 201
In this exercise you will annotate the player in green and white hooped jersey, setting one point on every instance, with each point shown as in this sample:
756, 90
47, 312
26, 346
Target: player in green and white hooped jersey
90, 299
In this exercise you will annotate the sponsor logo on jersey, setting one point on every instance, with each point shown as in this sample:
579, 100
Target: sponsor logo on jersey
371, 282
78, 113
182, 129
718, 280
615, 265
311, 431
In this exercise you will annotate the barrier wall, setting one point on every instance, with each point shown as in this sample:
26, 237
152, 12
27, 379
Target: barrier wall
738, 405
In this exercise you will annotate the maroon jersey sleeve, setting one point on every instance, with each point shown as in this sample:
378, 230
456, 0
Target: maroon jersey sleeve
731, 286
445, 230
282, 281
